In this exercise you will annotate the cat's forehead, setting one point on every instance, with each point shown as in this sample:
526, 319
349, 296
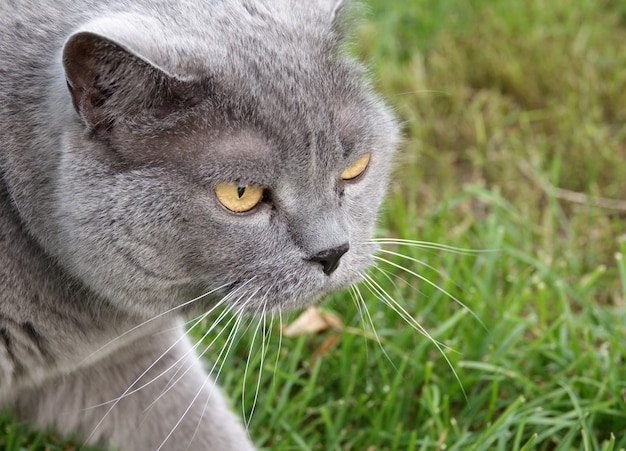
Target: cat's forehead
254, 155
311, 116
274, 88
295, 137
185, 39
278, 65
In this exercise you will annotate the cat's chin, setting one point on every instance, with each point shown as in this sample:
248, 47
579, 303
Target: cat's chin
314, 297
291, 300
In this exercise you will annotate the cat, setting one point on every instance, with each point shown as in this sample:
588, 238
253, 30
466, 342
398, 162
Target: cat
159, 159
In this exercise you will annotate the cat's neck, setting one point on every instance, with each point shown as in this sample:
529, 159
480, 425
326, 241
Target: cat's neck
42, 294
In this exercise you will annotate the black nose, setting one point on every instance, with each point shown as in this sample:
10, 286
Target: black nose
329, 258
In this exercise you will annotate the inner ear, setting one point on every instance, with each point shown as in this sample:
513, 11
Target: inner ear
85, 57
107, 82
335, 6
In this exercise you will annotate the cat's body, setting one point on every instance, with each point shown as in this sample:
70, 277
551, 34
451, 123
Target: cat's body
117, 122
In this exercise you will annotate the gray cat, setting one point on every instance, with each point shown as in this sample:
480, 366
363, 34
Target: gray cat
159, 158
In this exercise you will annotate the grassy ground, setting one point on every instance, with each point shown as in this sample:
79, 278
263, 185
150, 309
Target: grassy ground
515, 125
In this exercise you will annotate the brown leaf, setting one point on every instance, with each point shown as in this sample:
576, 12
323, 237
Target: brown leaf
324, 347
312, 320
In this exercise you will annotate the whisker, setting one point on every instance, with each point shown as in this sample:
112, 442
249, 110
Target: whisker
261, 313
245, 373
173, 380
280, 341
434, 285
382, 295
264, 347
239, 315
191, 352
198, 320
367, 316
430, 245
419, 91
154, 318
377, 290
130, 390
423, 263
388, 275
167, 437
230, 339
355, 294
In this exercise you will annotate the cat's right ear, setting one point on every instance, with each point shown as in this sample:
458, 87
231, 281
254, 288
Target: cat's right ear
108, 82
332, 7
83, 61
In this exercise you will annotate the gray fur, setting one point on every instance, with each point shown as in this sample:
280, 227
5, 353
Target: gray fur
117, 119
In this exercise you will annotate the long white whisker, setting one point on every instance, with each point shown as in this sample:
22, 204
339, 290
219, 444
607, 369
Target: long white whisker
238, 315
154, 318
422, 263
377, 290
191, 353
264, 346
430, 245
245, 372
390, 277
227, 346
360, 300
280, 342
382, 295
173, 381
126, 392
232, 334
355, 294
230, 341
129, 391
183, 416
434, 285
261, 309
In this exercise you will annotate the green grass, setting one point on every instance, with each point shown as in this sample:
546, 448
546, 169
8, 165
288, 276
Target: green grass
514, 117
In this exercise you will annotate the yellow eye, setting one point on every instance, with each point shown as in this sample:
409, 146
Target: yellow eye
357, 168
238, 197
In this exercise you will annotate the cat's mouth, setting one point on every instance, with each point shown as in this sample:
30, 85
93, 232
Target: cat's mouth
293, 288
280, 285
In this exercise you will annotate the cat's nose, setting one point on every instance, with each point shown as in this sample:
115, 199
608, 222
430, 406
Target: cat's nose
329, 258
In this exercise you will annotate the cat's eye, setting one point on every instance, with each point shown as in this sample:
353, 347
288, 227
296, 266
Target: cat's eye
356, 169
238, 197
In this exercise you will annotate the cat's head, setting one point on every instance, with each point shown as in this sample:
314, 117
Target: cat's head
237, 150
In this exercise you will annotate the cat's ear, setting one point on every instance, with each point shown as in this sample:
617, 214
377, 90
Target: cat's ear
108, 82
331, 7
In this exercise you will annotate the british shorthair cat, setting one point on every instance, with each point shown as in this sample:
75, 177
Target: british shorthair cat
158, 159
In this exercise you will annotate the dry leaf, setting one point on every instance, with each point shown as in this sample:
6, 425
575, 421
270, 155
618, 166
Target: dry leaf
324, 347
312, 320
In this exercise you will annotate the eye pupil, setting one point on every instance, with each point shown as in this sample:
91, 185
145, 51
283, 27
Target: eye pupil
239, 197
